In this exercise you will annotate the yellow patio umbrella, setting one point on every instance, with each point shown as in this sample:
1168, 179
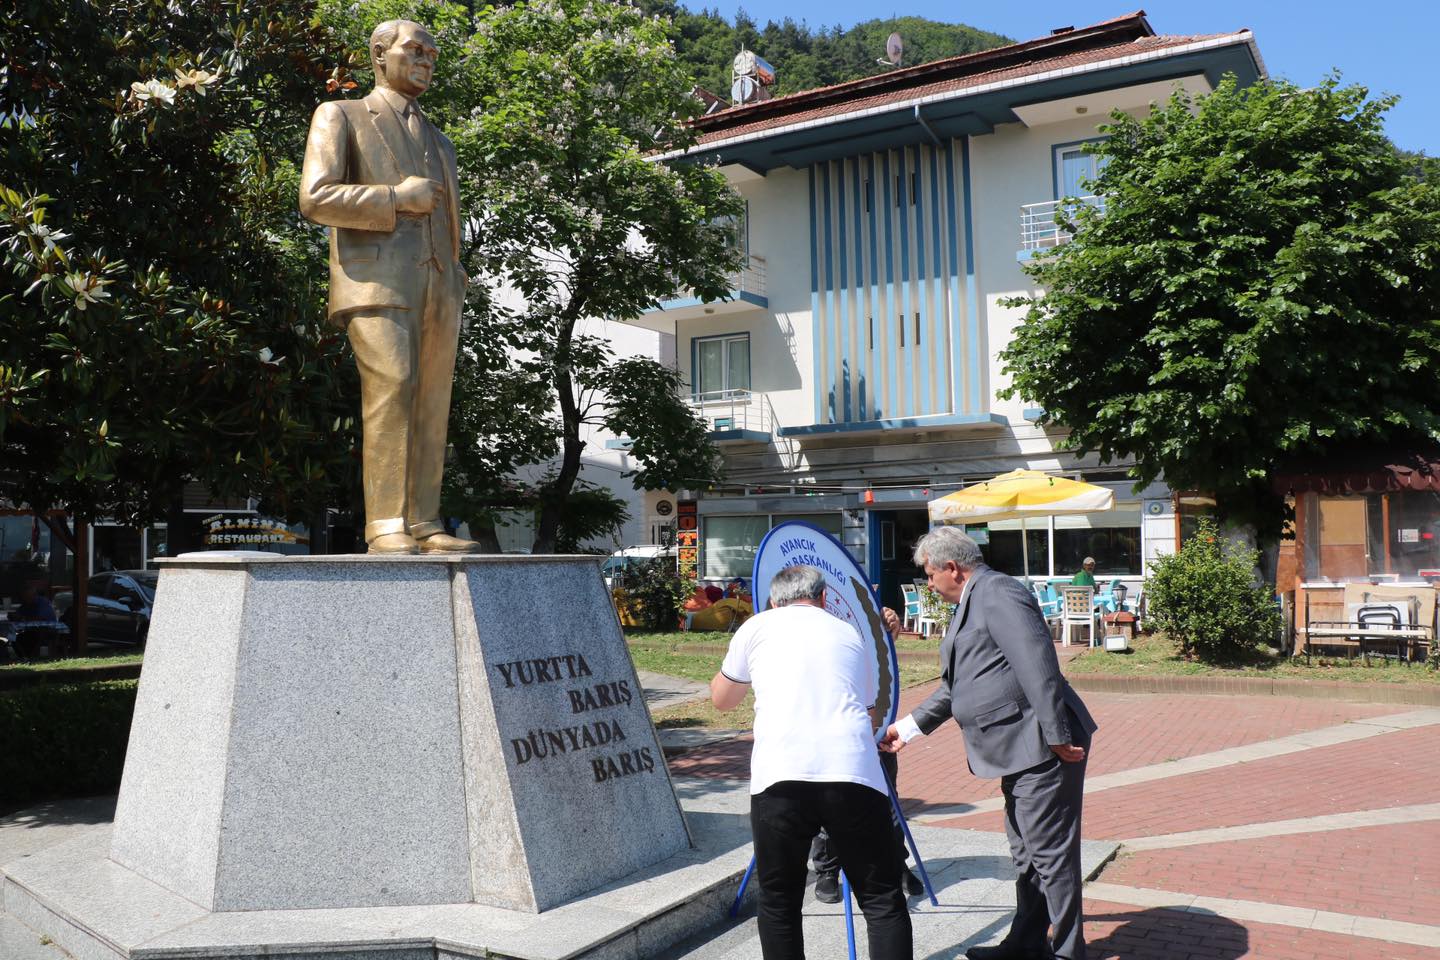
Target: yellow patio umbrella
1018, 495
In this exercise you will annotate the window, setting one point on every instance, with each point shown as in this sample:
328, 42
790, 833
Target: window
730, 544
722, 365
1111, 537
1395, 535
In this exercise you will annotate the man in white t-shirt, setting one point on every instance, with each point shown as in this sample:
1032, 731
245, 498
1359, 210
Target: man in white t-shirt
814, 763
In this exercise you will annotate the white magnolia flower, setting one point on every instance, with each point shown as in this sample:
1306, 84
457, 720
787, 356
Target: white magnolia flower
47, 236
86, 289
197, 79
153, 90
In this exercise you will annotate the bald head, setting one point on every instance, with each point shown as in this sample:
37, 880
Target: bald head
403, 54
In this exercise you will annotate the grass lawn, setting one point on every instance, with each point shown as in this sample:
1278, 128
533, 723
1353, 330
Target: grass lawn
666, 653
109, 660
1154, 656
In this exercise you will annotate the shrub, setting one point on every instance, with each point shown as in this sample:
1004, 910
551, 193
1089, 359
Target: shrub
1205, 599
658, 592
63, 740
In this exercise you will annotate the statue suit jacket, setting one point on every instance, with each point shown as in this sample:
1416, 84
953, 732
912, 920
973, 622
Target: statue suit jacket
1002, 681
357, 151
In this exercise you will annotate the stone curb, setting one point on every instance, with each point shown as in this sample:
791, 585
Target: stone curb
1410, 693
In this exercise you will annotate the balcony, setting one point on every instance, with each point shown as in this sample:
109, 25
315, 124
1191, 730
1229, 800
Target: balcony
1040, 227
747, 292
736, 416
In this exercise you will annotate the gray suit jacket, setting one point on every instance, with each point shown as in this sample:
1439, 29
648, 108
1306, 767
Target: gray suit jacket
1002, 681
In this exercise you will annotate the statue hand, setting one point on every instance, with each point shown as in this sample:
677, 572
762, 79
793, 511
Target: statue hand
417, 195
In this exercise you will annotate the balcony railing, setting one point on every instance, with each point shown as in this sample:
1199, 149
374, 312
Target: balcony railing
751, 277
735, 410
1040, 228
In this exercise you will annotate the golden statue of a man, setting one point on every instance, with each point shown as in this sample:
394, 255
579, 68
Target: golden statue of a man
383, 179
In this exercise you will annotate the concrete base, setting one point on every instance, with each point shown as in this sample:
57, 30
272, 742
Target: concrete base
58, 883
372, 731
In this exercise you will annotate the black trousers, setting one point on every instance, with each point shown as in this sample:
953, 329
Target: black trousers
822, 856
784, 819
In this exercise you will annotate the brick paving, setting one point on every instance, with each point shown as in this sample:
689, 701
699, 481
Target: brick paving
1115, 931
1388, 873
1367, 871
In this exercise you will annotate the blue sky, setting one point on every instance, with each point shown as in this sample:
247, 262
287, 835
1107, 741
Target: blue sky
1390, 47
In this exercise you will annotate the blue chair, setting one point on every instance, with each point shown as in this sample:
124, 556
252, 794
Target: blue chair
1105, 599
1049, 601
914, 607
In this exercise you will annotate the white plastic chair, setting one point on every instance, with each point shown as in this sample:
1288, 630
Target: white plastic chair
1077, 609
913, 608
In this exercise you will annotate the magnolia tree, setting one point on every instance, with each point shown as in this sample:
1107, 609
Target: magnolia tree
160, 302
1263, 282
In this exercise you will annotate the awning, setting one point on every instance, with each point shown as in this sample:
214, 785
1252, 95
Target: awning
1361, 471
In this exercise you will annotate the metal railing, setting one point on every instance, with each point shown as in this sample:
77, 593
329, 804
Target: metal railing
750, 278
1040, 228
735, 410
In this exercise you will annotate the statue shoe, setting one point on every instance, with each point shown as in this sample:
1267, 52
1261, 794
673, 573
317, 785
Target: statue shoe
444, 543
394, 543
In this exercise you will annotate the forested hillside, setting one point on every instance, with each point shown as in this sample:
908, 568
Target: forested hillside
805, 56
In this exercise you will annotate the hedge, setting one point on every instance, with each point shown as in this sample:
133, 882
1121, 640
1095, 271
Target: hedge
64, 740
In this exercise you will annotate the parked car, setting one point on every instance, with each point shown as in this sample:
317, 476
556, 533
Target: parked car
618, 564
119, 606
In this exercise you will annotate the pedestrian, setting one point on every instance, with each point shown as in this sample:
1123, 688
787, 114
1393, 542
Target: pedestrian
814, 763
1023, 723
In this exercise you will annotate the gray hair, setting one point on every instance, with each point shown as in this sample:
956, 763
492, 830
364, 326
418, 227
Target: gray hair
799, 582
1087, 561
944, 544
383, 36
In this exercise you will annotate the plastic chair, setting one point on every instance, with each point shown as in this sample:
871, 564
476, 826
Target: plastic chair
1049, 602
1078, 610
913, 608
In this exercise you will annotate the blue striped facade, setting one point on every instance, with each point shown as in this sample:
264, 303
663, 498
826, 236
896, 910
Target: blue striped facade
892, 281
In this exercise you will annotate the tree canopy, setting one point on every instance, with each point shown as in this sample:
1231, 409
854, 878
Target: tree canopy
806, 57
1262, 283
160, 313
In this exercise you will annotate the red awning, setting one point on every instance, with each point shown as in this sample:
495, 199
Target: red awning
1375, 471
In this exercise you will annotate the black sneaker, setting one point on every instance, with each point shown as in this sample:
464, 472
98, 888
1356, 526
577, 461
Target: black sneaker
914, 886
827, 888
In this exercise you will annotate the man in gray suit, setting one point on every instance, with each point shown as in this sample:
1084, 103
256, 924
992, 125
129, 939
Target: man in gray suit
1022, 723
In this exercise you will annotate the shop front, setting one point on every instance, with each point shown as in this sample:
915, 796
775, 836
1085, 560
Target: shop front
1364, 520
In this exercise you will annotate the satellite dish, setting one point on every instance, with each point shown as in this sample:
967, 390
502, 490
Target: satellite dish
894, 49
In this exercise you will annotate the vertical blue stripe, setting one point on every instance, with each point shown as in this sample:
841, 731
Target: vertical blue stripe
862, 343
815, 328
906, 379
957, 342
826, 292
842, 295
889, 350
936, 328
977, 351
876, 316
924, 349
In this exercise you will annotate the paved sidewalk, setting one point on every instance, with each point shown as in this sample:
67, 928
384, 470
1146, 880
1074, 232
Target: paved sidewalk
1266, 827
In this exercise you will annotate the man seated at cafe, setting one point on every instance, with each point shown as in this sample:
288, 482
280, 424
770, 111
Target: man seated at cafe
34, 606
1086, 576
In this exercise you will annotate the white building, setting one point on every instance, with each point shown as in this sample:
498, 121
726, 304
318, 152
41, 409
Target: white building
853, 375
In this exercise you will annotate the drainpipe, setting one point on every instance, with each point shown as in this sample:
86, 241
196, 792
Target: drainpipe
925, 126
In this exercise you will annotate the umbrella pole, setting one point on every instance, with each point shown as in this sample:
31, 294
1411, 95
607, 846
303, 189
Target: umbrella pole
1024, 553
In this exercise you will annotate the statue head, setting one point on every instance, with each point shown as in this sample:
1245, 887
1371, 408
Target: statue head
403, 54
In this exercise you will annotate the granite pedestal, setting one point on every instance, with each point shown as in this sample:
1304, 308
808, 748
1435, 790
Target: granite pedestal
341, 732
